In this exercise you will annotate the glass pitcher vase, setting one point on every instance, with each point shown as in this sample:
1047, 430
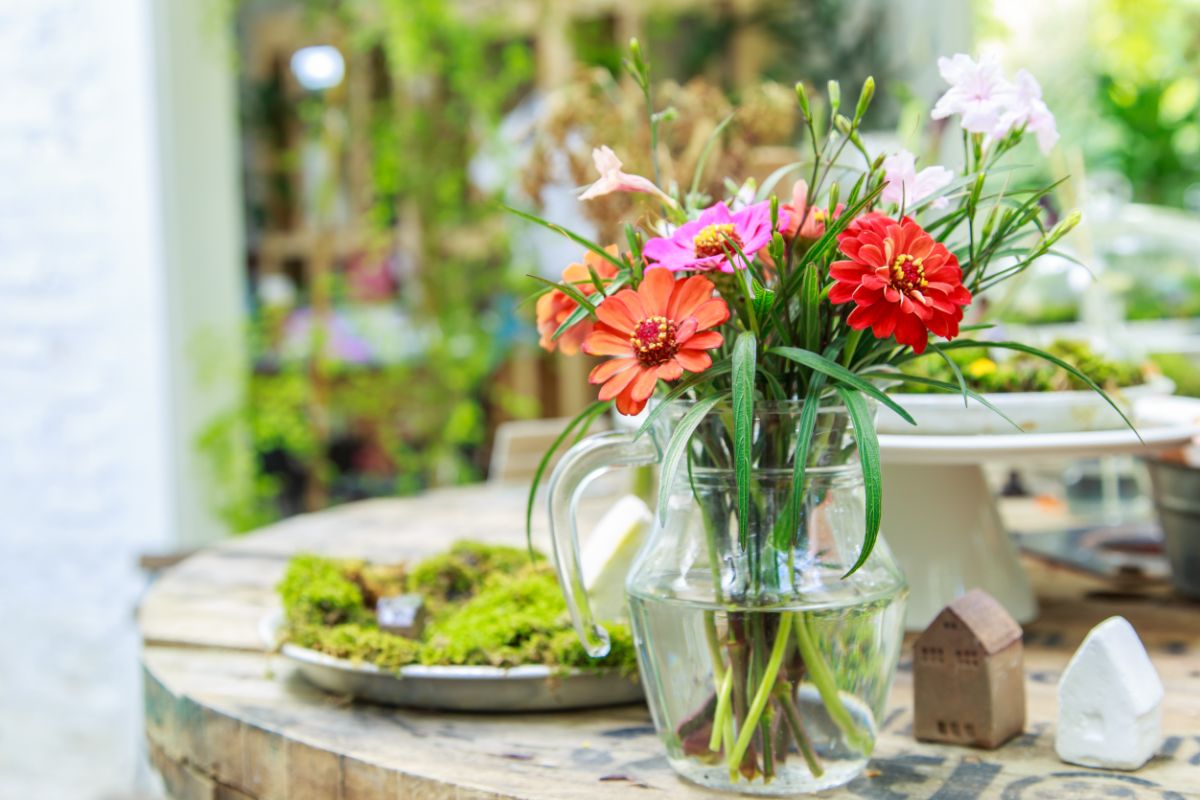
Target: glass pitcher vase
765, 667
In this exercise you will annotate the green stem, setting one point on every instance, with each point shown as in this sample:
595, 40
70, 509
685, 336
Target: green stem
792, 717
821, 677
724, 692
763, 694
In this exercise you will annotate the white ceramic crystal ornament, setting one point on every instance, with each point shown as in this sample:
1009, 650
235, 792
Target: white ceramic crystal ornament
608, 554
1109, 701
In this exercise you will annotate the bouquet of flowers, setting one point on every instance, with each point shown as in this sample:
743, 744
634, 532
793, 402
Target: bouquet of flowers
809, 301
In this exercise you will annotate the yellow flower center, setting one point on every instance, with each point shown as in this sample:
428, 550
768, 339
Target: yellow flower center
716, 240
908, 273
653, 340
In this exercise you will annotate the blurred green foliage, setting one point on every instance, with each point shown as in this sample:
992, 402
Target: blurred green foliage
1146, 57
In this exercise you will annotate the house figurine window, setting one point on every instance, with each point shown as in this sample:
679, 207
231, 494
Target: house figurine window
968, 675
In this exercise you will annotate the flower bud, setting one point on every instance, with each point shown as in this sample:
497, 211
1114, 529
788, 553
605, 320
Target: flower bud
834, 191
1064, 227
802, 98
842, 124
835, 95
864, 98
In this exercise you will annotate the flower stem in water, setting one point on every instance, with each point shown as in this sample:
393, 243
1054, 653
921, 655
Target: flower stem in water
765, 686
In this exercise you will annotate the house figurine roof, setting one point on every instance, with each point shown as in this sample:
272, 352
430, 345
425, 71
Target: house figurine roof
986, 619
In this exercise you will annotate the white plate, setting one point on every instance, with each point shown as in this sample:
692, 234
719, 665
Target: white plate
1163, 422
533, 687
1036, 412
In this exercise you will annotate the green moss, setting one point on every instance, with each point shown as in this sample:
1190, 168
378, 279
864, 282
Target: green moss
357, 643
317, 591
495, 608
986, 371
461, 572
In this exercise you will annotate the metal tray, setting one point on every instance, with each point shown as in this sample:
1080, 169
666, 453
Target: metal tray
527, 688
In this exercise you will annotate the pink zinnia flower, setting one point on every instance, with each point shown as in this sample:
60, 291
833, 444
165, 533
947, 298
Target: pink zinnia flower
807, 221
906, 187
978, 91
708, 243
612, 179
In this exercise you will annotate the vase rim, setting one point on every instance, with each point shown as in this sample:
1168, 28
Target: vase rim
773, 407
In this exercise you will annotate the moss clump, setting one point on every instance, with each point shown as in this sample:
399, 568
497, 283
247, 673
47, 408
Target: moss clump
317, 591
495, 608
517, 619
461, 572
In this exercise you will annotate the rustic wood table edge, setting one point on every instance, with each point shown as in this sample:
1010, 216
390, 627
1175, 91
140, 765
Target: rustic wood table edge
226, 719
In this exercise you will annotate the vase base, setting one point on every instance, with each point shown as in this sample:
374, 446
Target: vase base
787, 782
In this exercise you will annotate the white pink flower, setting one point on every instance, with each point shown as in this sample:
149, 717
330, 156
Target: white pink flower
978, 92
612, 179
1028, 109
905, 186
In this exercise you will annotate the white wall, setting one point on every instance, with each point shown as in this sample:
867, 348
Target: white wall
111, 244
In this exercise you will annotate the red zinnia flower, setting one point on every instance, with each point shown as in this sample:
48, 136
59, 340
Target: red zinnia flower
902, 281
656, 332
555, 306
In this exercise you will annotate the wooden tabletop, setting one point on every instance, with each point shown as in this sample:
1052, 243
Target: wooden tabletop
225, 719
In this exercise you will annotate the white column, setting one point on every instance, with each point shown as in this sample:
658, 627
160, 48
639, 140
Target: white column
118, 243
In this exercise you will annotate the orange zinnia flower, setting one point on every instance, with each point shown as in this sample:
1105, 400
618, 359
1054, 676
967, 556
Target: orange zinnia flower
656, 332
555, 306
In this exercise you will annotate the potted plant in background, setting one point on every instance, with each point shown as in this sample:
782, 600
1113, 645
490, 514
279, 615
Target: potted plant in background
767, 612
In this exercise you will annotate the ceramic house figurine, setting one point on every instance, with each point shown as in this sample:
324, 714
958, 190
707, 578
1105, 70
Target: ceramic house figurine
1109, 701
969, 676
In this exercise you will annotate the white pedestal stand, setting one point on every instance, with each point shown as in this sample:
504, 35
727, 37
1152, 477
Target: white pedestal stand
940, 518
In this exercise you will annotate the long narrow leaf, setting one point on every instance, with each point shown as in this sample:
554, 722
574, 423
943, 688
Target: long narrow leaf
841, 375
810, 298
570, 291
589, 414
701, 162
574, 237
868, 456
962, 381
677, 447
950, 387
745, 364
715, 371
1056, 361
804, 436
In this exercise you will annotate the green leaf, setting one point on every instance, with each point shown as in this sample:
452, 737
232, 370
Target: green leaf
810, 298
570, 291
1056, 361
579, 313
587, 416
715, 371
962, 381
950, 387
804, 435
698, 173
841, 375
677, 446
574, 237
745, 363
868, 456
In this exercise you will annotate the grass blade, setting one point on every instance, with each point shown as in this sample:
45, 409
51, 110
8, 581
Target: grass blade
868, 456
842, 375
677, 446
804, 436
574, 237
745, 364
589, 414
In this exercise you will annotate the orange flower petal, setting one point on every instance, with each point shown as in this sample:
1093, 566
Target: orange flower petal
616, 314
693, 360
705, 340
643, 387
617, 384
655, 291
603, 342
711, 313
669, 371
688, 296
603, 372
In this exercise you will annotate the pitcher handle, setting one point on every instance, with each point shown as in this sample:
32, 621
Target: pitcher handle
578, 467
